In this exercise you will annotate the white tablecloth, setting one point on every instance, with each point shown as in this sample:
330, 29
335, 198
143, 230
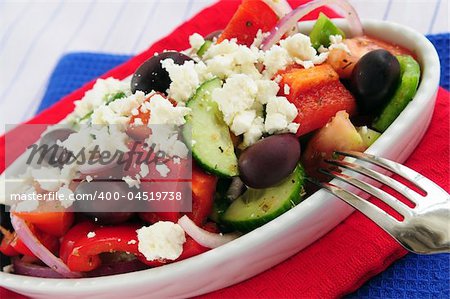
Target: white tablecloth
34, 35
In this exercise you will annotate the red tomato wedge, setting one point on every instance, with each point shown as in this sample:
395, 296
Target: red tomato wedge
338, 135
53, 223
251, 16
203, 189
318, 95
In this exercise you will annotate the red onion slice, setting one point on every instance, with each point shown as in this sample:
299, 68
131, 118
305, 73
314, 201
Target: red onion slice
39, 250
29, 269
204, 237
291, 19
280, 7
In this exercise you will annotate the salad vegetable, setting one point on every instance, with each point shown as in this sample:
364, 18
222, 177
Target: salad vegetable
338, 134
83, 244
258, 206
281, 152
374, 79
368, 135
203, 189
204, 48
212, 146
250, 17
291, 19
39, 250
51, 223
318, 94
151, 76
259, 106
410, 75
322, 30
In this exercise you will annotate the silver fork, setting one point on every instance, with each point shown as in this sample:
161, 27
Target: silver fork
425, 228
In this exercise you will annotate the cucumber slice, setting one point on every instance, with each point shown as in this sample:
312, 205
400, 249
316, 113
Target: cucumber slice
323, 28
368, 135
256, 207
211, 145
410, 75
204, 48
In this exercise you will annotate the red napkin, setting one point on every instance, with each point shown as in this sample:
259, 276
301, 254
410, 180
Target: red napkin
341, 261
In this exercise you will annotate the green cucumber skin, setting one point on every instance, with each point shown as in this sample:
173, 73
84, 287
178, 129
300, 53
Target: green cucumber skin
323, 28
204, 48
200, 156
410, 76
294, 198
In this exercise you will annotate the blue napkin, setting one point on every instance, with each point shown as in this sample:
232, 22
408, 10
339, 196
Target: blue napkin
411, 277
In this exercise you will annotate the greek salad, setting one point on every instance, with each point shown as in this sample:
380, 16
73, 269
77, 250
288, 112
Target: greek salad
262, 106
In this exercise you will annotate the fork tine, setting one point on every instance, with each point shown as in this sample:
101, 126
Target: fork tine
385, 197
374, 213
412, 176
384, 179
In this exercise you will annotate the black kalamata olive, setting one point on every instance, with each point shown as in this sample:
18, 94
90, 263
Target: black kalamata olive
152, 76
110, 206
269, 161
214, 34
374, 79
54, 155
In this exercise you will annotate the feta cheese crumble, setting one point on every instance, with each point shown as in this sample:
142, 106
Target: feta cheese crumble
236, 95
228, 57
163, 112
196, 41
144, 170
119, 111
276, 59
185, 79
243, 121
260, 36
132, 182
336, 43
161, 241
97, 96
162, 169
280, 114
165, 138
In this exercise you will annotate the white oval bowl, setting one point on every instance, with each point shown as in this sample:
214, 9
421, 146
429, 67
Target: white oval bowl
281, 238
